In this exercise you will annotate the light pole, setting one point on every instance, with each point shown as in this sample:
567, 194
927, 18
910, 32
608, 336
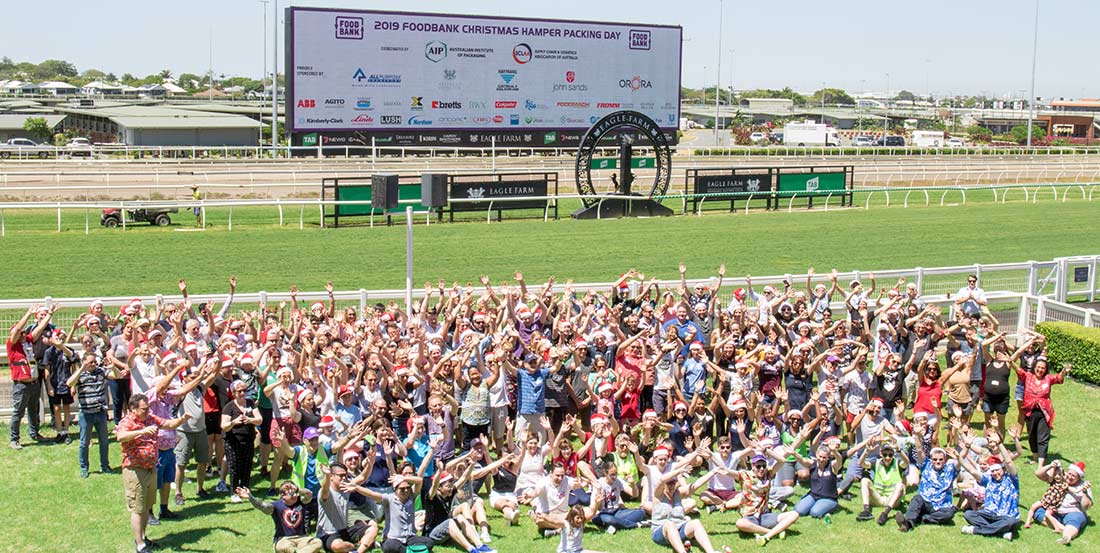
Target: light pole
263, 38
1034, 49
704, 86
886, 118
275, 82
718, 81
862, 86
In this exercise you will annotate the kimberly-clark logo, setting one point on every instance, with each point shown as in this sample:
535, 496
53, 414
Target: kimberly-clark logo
349, 28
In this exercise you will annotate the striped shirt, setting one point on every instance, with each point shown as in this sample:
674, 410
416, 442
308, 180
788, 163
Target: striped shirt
91, 390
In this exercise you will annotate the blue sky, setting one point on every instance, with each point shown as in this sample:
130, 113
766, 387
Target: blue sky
960, 46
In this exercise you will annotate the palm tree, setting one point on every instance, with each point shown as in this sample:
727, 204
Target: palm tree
166, 74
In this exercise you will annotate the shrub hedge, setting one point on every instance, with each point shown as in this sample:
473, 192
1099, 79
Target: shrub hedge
1073, 343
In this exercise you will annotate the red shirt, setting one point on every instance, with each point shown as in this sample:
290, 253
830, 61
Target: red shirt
627, 365
17, 359
1037, 393
929, 397
140, 452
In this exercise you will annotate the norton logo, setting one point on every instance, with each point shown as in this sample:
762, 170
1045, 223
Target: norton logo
570, 76
521, 53
307, 103
812, 184
435, 51
635, 83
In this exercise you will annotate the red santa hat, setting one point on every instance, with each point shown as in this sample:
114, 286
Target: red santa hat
327, 421
679, 405
227, 361
605, 387
168, 358
598, 419
190, 346
877, 401
316, 305
649, 414
1078, 467
247, 359
662, 449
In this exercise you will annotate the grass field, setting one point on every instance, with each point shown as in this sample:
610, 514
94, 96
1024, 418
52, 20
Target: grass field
264, 256
49, 508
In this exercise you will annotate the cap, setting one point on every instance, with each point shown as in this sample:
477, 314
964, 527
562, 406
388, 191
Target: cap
343, 390
758, 459
310, 433
832, 359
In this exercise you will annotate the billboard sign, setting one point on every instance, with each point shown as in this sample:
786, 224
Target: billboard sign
727, 184
812, 182
366, 71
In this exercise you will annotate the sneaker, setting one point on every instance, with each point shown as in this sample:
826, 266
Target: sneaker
883, 517
1062, 541
969, 530
727, 549
761, 540
105, 470
68, 440
865, 515
485, 537
58, 439
611, 530
783, 535
153, 521
83, 473
202, 494
486, 549
15, 444
179, 499
711, 509
221, 487
150, 544
1007, 536
550, 532
272, 492
903, 524
165, 514
234, 498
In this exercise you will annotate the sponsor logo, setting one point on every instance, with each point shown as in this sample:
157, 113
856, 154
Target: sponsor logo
427, 138
593, 119
513, 119
359, 75
450, 120
570, 84
325, 121
549, 138
635, 83
482, 120
671, 118
528, 120
529, 105
502, 104
363, 104
417, 103
813, 183
570, 76
639, 39
450, 74
521, 53
376, 79
498, 118
607, 105
391, 119
475, 193
334, 102
435, 51
450, 139
437, 104
392, 103
579, 105
363, 119
388, 48
419, 120
477, 104
349, 28
571, 120
507, 75
383, 139
306, 103
308, 71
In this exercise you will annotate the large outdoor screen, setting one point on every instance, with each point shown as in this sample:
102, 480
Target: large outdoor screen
385, 71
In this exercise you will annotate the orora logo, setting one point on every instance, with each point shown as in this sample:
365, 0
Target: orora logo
635, 83
521, 53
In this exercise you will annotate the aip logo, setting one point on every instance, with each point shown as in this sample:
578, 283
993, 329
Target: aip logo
435, 51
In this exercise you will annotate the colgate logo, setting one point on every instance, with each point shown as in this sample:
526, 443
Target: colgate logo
570, 76
505, 105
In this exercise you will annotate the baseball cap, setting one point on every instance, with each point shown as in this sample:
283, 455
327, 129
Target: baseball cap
310, 433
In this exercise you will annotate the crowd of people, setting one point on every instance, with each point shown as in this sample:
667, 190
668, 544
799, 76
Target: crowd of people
633, 407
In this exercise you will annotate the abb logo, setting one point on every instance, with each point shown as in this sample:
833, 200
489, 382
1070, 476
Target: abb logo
307, 103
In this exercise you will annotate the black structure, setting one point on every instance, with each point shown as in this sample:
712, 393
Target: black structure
433, 189
766, 184
620, 207
491, 192
383, 191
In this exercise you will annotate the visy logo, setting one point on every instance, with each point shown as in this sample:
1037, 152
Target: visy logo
529, 105
435, 51
521, 53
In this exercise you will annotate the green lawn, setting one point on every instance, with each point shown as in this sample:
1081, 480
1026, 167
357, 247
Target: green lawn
50, 508
144, 260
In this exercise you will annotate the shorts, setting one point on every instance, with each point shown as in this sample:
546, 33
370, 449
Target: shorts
61, 399
291, 430
789, 471
351, 534
1076, 519
965, 408
495, 496
766, 520
166, 467
975, 394
140, 486
192, 441
658, 534
440, 533
995, 404
213, 424
265, 426
724, 495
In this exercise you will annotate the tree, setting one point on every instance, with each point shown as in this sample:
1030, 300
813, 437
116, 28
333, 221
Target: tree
832, 96
981, 134
165, 74
37, 128
1019, 134
6, 64
189, 80
771, 93
128, 79
905, 96
56, 69
93, 75
111, 78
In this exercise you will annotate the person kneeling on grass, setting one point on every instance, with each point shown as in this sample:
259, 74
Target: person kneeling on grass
288, 513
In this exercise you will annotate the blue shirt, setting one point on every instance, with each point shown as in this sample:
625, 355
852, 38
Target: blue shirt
935, 486
1002, 497
532, 391
348, 414
684, 330
695, 377
416, 454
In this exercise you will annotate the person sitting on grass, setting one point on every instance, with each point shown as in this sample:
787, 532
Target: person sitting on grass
822, 499
1070, 517
332, 506
670, 524
1000, 512
288, 513
933, 502
756, 515
883, 483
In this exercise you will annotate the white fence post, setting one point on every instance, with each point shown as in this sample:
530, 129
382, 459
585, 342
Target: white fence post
1021, 319
1032, 277
1040, 310
362, 303
920, 280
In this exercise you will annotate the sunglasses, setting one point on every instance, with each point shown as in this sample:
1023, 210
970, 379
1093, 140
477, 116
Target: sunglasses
759, 467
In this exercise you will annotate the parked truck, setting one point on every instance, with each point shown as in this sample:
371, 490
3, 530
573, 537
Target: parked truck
24, 147
928, 139
810, 133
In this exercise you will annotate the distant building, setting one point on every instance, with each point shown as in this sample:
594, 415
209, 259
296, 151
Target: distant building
58, 88
1074, 118
138, 125
97, 88
774, 105
20, 88
11, 125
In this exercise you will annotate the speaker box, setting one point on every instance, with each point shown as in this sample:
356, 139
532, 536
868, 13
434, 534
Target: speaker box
383, 191
433, 189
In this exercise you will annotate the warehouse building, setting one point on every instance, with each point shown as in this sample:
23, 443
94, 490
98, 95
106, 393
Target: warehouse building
136, 125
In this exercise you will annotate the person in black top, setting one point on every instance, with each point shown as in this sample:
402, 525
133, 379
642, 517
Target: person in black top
239, 419
889, 384
289, 516
58, 360
995, 389
822, 499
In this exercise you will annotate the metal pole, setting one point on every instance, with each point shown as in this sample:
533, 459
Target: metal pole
1034, 49
263, 38
718, 81
408, 259
275, 82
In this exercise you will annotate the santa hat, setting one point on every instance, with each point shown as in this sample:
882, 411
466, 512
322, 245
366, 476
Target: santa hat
190, 346
1078, 467
480, 315
135, 303
316, 305
227, 362
598, 419
246, 359
168, 358
696, 345
301, 394
522, 310
769, 289
649, 414
343, 390
401, 370
739, 294
93, 304
327, 421
272, 334
444, 477
386, 317
218, 319
679, 405
877, 401
284, 370
155, 332
738, 403
662, 449
605, 387
580, 343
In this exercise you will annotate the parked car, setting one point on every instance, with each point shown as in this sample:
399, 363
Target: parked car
758, 137
892, 141
79, 147
955, 143
24, 147
112, 217
775, 138
863, 141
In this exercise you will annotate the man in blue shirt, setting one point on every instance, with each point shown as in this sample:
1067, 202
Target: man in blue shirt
687, 329
1000, 513
531, 392
933, 502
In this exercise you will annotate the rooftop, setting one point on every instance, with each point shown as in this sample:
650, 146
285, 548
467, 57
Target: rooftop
15, 122
160, 117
